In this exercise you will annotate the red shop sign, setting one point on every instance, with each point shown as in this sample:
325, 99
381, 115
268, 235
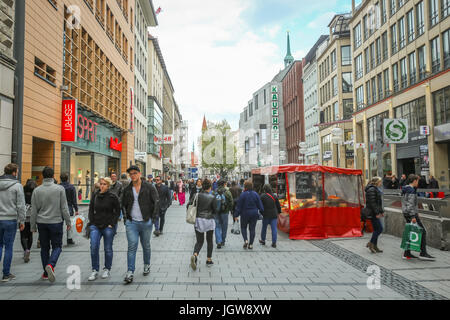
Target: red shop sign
115, 145
87, 129
69, 121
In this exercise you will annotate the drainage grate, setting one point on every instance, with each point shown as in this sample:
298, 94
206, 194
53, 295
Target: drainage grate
399, 284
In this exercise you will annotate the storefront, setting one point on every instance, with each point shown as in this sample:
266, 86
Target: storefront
379, 152
96, 153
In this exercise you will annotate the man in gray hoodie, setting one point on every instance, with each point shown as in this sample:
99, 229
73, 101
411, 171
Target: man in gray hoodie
48, 209
12, 211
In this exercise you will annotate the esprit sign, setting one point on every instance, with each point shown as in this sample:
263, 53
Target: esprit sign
69, 121
87, 129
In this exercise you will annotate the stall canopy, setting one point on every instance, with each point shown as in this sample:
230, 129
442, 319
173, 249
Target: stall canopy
318, 202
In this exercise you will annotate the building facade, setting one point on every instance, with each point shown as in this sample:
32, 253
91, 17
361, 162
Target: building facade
7, 85
144, 17
294, 115
310, 102
87, 60
335, 95
261, 131
402, 72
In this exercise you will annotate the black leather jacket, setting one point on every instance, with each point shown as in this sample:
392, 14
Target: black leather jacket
148, 201
373, 200
206, 205
165, 197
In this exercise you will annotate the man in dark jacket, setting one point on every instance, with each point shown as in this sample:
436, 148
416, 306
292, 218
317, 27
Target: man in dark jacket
434, 184
165, 200
226, 204
403, 181
140, 205
411, 213
71, 196
116, 187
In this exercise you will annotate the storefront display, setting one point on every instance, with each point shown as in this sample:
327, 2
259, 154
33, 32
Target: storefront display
317, 202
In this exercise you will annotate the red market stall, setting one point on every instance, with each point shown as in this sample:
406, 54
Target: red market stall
317, 202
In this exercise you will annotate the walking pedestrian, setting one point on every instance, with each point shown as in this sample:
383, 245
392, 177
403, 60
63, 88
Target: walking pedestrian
88, 183
181, 192
375, 206
150, 178
411, 213
215, 185
247, 208
140, 205
224, 203
116, 186
124, 181
272, 209
165, 201
104, 212
434, 184
71, 197
403, 181
395, 182
12, 212
26, 236
204, 223
197, 188
48, 209
236, 192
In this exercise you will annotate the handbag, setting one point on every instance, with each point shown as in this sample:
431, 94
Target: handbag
366, 214
236, 228
191, 213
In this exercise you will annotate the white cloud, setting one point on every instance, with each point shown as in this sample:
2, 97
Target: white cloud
215, 62
272, 31
322, 21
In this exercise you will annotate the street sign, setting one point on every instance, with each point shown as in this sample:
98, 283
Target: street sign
141, 156
360, 145
395, 131
424, 130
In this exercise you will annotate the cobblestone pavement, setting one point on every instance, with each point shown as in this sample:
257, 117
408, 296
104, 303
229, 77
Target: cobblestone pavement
295, 270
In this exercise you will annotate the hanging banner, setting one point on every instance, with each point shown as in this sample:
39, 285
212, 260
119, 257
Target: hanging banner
69, 120
395, 131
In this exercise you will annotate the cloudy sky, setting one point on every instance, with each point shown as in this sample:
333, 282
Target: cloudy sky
218, 52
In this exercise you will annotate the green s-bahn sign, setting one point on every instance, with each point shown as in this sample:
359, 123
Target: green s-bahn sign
395, 131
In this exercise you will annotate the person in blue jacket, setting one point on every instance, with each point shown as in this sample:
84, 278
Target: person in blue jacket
248, 207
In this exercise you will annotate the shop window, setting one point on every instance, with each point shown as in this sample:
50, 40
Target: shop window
100, 12
441, 106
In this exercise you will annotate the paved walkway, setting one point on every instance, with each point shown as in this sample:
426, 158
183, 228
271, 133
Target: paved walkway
329, 269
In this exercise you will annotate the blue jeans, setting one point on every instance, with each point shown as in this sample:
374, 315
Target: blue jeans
249, 221
221, 227
108, 238
8, 230
136, 230
273, 228
50, 233
377, 230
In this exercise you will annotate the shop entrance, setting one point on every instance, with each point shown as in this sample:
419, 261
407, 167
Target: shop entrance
407, 166
43, 155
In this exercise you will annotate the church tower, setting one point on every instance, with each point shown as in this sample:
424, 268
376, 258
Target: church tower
289, 59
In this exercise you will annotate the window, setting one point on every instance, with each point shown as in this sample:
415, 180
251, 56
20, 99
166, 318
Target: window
44, 72
434, 12
335, 86
412, 68
263, 136
394, 39
411, 27
380, 86
387, 90
372, 56
131, 19
247, 146
265, 97
435, 55
365, 28
383, 11
357, 36
445, 8
403, 73
368, 93
420, 19
100, 12
393, 7
367, 60
346, 58
446, 46
347, 85
422, 62
378, 50
53, 3
256, 102
373, 85
395, 77
250, 109
360, 98
441, 106
348, 108
401, 3
333, 60
336, 111
358, 67
401, 30
245, 115
414, 112
384, 39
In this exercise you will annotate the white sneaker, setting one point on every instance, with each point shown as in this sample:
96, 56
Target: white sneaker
106, 274
93, 276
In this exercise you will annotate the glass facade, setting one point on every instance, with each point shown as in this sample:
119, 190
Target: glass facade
441, 106
155, 127
414, 112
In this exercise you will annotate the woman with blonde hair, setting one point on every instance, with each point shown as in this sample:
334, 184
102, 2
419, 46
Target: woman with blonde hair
104, 212
375, 206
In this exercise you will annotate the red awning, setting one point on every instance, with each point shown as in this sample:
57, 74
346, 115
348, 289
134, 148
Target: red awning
304, 168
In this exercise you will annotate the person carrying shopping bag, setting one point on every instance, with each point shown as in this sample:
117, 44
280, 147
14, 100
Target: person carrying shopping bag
104, 213
411, 213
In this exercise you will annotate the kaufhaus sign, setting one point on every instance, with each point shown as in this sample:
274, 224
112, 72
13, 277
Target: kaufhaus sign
275, 115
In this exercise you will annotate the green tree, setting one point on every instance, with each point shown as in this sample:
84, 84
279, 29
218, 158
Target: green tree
219, 153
